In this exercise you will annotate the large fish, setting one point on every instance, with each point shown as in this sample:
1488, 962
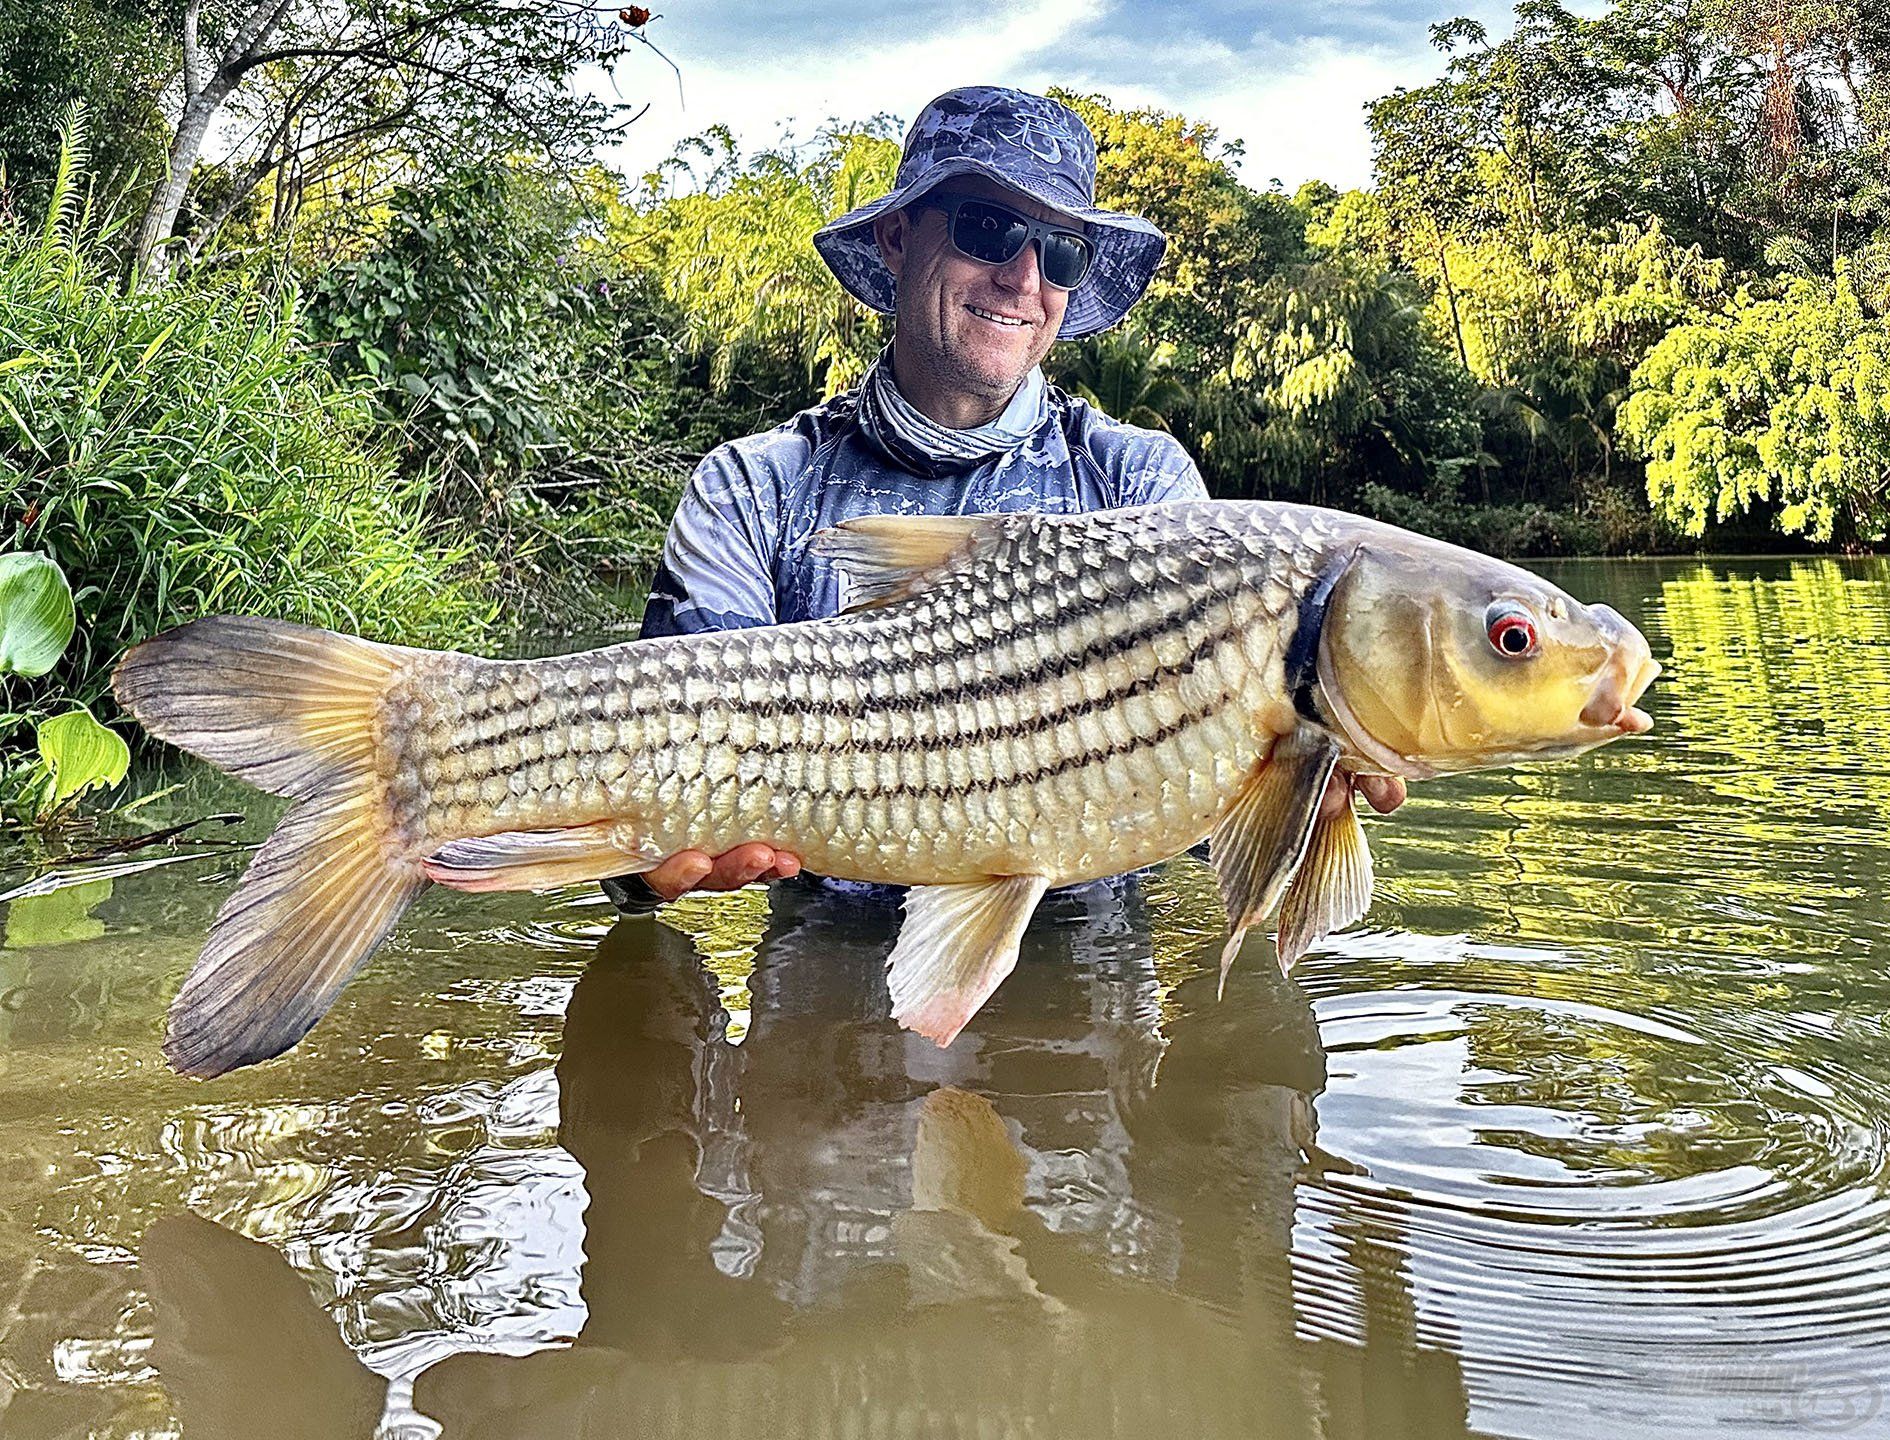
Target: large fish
1014, 702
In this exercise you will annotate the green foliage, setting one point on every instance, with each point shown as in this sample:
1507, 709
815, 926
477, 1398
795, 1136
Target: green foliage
109, 56
1780, 400
1125, 374
1224, 239
79, 754
184, 452
505, 357
37, 617
462, 312
732, 252
1344, 383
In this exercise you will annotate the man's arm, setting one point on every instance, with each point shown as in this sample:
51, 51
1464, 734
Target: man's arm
1164, 474
716, 573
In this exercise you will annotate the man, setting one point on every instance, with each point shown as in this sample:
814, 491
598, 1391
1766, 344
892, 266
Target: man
988, 249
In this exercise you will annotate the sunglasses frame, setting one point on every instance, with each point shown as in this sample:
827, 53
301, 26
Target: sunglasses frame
954, 201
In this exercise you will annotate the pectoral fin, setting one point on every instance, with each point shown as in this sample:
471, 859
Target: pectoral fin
1263, 835
956, 946
540, 859
1331, 889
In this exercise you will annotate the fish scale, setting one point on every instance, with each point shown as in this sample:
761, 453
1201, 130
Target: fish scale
1101, 702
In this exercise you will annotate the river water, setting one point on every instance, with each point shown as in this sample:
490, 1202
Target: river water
1585, 1131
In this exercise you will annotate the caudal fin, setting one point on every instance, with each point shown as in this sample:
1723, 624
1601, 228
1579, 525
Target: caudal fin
292, 710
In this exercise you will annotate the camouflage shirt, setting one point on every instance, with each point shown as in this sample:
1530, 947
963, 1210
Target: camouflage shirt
737, 552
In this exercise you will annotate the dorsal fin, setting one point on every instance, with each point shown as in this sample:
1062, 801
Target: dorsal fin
883, 558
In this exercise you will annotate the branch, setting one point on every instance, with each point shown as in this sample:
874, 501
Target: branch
193, 52
261, 24
374, 48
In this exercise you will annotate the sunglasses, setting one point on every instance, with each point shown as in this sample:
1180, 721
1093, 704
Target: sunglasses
996, 234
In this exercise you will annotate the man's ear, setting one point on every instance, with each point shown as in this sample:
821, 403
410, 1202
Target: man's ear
893, 230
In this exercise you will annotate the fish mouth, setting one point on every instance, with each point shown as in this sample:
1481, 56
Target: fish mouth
1611, 708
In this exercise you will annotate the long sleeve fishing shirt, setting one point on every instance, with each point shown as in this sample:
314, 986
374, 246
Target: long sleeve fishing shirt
737, 551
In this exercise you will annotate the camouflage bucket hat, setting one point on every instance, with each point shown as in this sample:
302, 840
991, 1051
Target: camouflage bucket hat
1036, 147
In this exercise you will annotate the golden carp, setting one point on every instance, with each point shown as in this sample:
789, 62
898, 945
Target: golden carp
1012, 702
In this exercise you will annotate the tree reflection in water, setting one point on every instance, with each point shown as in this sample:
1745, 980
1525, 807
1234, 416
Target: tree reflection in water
1068, 1223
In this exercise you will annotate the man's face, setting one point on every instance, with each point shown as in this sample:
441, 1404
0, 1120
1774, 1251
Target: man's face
978, 328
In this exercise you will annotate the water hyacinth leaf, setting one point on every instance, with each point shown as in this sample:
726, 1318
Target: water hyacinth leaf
36, 613
81, 753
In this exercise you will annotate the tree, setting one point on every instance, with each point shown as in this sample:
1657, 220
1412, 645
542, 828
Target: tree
1224, 239
734, 249
1781, 400
1347, 386
319, 84
108, 56
1126, 374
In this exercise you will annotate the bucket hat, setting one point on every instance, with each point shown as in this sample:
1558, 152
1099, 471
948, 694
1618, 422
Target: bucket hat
1036, 147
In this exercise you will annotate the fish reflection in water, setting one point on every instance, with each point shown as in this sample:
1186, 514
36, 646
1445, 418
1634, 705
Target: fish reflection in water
1066, 1224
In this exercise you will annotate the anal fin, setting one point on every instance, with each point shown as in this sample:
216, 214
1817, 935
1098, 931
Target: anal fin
956, 946
541, 859
1331, 889
1263, 835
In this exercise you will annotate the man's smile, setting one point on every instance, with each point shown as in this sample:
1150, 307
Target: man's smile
1010, 321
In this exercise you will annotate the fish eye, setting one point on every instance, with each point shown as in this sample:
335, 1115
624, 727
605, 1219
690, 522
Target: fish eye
1512, 633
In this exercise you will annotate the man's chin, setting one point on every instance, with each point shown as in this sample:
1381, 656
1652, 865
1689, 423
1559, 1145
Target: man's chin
993, 376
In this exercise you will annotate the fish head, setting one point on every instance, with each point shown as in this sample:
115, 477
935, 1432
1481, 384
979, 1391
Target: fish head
1433, 660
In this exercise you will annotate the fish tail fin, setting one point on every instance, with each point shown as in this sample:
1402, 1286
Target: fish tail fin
293, 710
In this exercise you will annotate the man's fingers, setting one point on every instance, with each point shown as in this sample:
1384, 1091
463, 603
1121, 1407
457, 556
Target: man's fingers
741, 866
679, 874
1338, 795
688, 870
1384, 793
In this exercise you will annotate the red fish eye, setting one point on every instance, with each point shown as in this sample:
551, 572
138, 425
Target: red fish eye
1513, 635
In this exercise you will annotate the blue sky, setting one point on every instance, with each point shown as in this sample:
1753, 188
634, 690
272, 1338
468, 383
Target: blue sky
1289, 79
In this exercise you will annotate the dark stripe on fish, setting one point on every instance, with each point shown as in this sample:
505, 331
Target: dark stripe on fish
482, 760
1302, 653
589, 703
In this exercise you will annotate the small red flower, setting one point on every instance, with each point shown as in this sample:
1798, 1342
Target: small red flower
635, 16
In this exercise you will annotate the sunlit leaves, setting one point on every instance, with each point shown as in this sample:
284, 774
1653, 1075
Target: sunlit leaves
732, 250
80, 755
36, 614
1783, 401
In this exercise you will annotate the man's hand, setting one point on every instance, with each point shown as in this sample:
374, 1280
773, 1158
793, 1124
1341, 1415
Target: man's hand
1384, 793
688, 870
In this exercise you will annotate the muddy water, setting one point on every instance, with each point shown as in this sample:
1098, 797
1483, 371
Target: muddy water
1585, 1131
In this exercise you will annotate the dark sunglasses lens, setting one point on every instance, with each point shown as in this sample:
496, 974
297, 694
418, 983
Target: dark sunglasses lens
1066, 260
988, 232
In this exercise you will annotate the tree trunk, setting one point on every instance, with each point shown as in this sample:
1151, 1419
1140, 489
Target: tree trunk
207, 84
1450, 297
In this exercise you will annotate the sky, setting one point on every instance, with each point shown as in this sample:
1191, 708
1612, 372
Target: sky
1290, 79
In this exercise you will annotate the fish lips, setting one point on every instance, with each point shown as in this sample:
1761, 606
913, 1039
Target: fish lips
1612, 707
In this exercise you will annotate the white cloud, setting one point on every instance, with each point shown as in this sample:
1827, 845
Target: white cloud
1298, 105
793, 94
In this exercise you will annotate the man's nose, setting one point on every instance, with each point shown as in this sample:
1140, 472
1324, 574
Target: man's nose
1021, 274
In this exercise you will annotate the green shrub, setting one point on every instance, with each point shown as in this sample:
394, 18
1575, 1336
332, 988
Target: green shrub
504, 358
184, 452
